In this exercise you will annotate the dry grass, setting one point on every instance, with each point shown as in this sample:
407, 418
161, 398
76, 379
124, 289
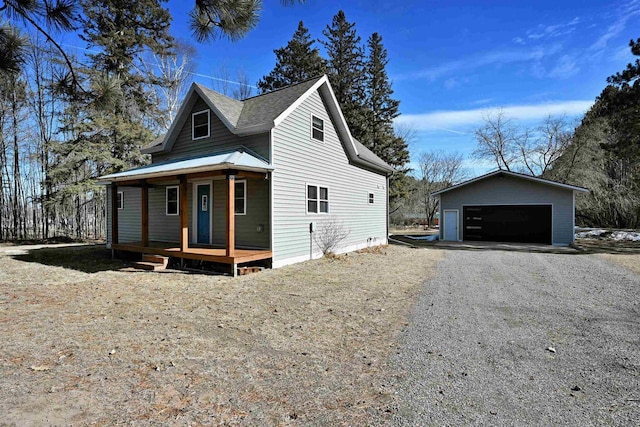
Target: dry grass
87, 342
624, 253
628, 261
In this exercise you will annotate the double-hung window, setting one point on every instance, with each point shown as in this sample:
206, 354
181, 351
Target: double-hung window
241, 197
370, 198
317, 128
120, 200
317, 199
200, 125
172, 201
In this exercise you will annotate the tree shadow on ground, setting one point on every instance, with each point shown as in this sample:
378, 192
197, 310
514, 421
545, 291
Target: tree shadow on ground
581, 247
88, 259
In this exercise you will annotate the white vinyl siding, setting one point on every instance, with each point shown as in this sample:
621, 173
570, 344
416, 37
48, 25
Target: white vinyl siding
326, 165
200, 125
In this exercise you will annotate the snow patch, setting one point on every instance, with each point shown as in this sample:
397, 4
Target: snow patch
598, 233
431, 238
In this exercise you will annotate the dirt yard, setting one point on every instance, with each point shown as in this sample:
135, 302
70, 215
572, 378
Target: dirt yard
86, 340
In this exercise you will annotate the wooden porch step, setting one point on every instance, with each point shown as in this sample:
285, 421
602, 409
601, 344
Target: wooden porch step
151, 266
158, 259
152, 262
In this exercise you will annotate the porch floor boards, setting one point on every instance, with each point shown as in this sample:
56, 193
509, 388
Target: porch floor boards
200, 254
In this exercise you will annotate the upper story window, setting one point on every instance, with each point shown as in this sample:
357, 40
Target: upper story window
172, 200
370, 198
317, 199
200, 127
317, 128
241, 197
120, 200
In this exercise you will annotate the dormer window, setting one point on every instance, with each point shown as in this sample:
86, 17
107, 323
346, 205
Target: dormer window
200, 125
317, 128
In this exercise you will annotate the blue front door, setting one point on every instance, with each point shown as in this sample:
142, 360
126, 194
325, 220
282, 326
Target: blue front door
204, 210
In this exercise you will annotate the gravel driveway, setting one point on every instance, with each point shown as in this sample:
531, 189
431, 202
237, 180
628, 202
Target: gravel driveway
476, 351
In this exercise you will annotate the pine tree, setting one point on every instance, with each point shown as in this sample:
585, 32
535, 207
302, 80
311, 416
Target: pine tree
381, 109
295, 62
346, 71
123, 30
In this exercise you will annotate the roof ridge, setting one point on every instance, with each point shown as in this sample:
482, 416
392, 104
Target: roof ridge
285, 87
219, 93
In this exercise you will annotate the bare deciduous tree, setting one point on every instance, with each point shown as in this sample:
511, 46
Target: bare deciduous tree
174, 71
329, 234
438, 170
497, 140
520, 149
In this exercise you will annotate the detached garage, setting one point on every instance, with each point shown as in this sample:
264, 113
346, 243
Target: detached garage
505, 206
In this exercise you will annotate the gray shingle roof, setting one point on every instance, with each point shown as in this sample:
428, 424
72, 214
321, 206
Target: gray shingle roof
369, 156
267, 107
228, 107
258, 114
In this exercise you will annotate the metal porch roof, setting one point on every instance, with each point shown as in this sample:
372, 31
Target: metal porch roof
237, 159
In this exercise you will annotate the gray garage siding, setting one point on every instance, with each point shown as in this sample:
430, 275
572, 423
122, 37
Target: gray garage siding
220, 139
507, 190
299, 160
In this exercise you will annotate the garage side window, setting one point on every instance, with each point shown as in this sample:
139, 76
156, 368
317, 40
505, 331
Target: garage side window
120, 200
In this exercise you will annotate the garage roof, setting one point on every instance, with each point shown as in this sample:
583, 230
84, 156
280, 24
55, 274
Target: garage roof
515, 175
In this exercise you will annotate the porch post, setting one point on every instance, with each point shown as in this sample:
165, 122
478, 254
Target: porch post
231, 215
184, 211
114, 213
145, 213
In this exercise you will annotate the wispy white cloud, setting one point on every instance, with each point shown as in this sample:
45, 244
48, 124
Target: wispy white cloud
491, 58
550, 31
625, 12
460, 121
482, 101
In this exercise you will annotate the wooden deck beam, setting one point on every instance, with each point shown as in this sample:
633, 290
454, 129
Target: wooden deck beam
114, 214
184, 212
145, 213
197, 175
231, 215
200, 254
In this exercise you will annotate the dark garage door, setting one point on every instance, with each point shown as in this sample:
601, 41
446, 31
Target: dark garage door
518, 223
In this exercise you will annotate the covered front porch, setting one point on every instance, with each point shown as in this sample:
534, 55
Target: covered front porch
188, 205
238, 256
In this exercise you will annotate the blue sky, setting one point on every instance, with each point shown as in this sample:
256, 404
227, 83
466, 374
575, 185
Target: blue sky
451, 61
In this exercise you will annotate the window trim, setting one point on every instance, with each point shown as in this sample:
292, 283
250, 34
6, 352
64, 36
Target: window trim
314, 128
244, 199
371, 198
193, 124
166, 200
318, 200
121, 202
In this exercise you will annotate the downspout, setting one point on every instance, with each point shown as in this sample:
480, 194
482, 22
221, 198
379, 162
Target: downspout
387, 209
